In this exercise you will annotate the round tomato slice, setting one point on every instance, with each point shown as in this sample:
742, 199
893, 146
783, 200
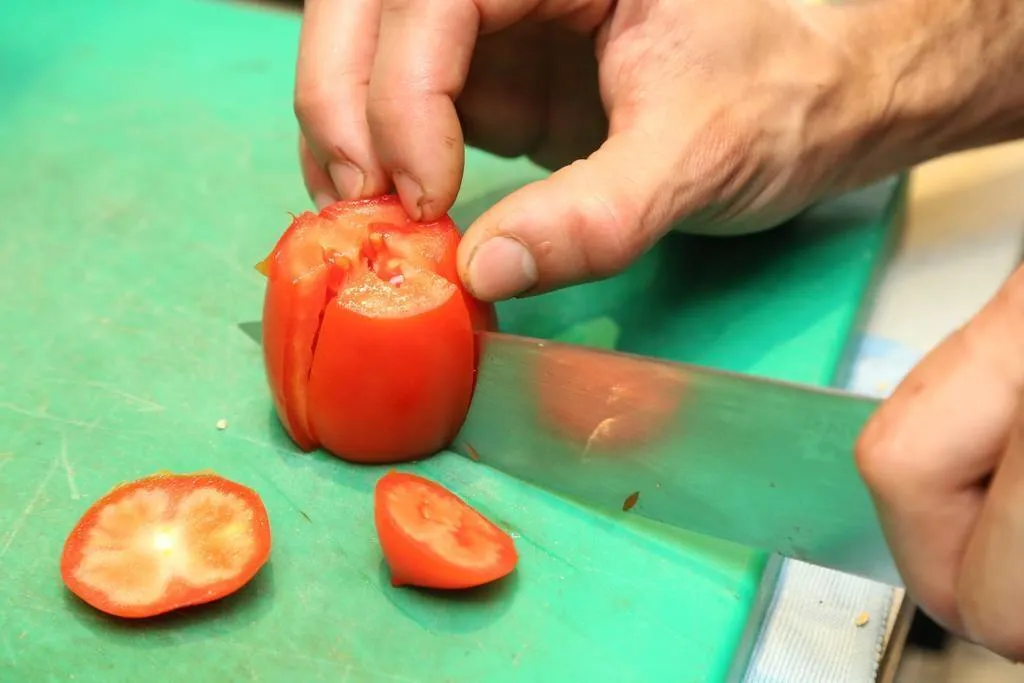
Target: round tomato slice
165, 542
431, 538
368, 333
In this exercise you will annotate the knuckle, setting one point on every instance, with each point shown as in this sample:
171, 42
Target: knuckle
887, 451
610, 233
310, 104
877, 453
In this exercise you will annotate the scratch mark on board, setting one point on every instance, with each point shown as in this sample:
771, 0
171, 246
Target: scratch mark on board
68, 471
43, 415
144, 404
23, 517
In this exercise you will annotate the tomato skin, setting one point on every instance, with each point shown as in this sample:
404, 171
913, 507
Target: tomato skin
179, 592
339, 380
291, 317
366, 407
401, 500
605, 403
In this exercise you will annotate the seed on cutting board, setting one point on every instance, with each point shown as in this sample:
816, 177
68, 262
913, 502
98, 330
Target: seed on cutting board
222, 424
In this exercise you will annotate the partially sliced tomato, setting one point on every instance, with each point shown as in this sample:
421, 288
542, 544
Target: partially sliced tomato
165, 542
368, 333
431, 538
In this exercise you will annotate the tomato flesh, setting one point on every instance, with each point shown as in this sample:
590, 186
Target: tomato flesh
431, 538
368, 333
165, 542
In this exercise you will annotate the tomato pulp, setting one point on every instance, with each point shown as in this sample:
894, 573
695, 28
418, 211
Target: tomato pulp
368, 333
165, 542
433, 539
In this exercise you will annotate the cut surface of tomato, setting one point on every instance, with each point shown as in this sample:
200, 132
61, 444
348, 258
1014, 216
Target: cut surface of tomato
431, 538
368, 333
165, 542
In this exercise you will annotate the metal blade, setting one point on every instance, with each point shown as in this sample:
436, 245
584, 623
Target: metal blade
765, 464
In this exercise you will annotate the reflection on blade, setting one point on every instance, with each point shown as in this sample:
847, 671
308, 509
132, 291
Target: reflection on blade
765, 464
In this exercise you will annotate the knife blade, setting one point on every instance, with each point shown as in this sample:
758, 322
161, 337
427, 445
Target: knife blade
761, 463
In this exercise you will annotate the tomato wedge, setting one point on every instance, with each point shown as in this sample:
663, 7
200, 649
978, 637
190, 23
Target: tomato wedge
165, 542
431, 538
368, 333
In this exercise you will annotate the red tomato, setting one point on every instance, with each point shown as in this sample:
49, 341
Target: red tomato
165, 542
605, 403
432, 538
368, 333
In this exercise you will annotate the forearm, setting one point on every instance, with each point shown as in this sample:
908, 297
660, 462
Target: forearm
945, 75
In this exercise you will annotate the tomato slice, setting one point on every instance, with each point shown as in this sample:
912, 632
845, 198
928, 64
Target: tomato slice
368, 333
431, 538
165, 542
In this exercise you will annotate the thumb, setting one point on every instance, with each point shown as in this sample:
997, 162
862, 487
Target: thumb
587, 221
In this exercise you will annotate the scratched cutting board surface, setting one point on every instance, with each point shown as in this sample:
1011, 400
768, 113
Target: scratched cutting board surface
148, 162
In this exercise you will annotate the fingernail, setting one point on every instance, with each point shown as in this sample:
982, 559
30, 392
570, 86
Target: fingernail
347, 178
411, 193
322, 199
501, 268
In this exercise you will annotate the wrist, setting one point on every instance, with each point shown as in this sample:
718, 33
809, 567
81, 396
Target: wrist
931, 78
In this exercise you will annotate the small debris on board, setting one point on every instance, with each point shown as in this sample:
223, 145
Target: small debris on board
222, 424
472, 453
630, 501
862, 620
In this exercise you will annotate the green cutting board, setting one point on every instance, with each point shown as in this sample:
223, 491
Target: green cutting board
148, 162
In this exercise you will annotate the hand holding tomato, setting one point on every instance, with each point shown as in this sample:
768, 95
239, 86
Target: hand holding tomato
722, 117
368, 335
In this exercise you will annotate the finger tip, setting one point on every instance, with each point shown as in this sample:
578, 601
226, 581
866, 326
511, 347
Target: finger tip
323, 199
500, 267
349, 180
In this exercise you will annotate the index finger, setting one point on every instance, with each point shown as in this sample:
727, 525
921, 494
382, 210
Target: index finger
423, 57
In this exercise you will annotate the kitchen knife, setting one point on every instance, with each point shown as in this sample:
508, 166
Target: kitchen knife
761, 463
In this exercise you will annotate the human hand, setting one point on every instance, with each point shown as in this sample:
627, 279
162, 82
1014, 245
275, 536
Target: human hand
944, 459
720, 118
